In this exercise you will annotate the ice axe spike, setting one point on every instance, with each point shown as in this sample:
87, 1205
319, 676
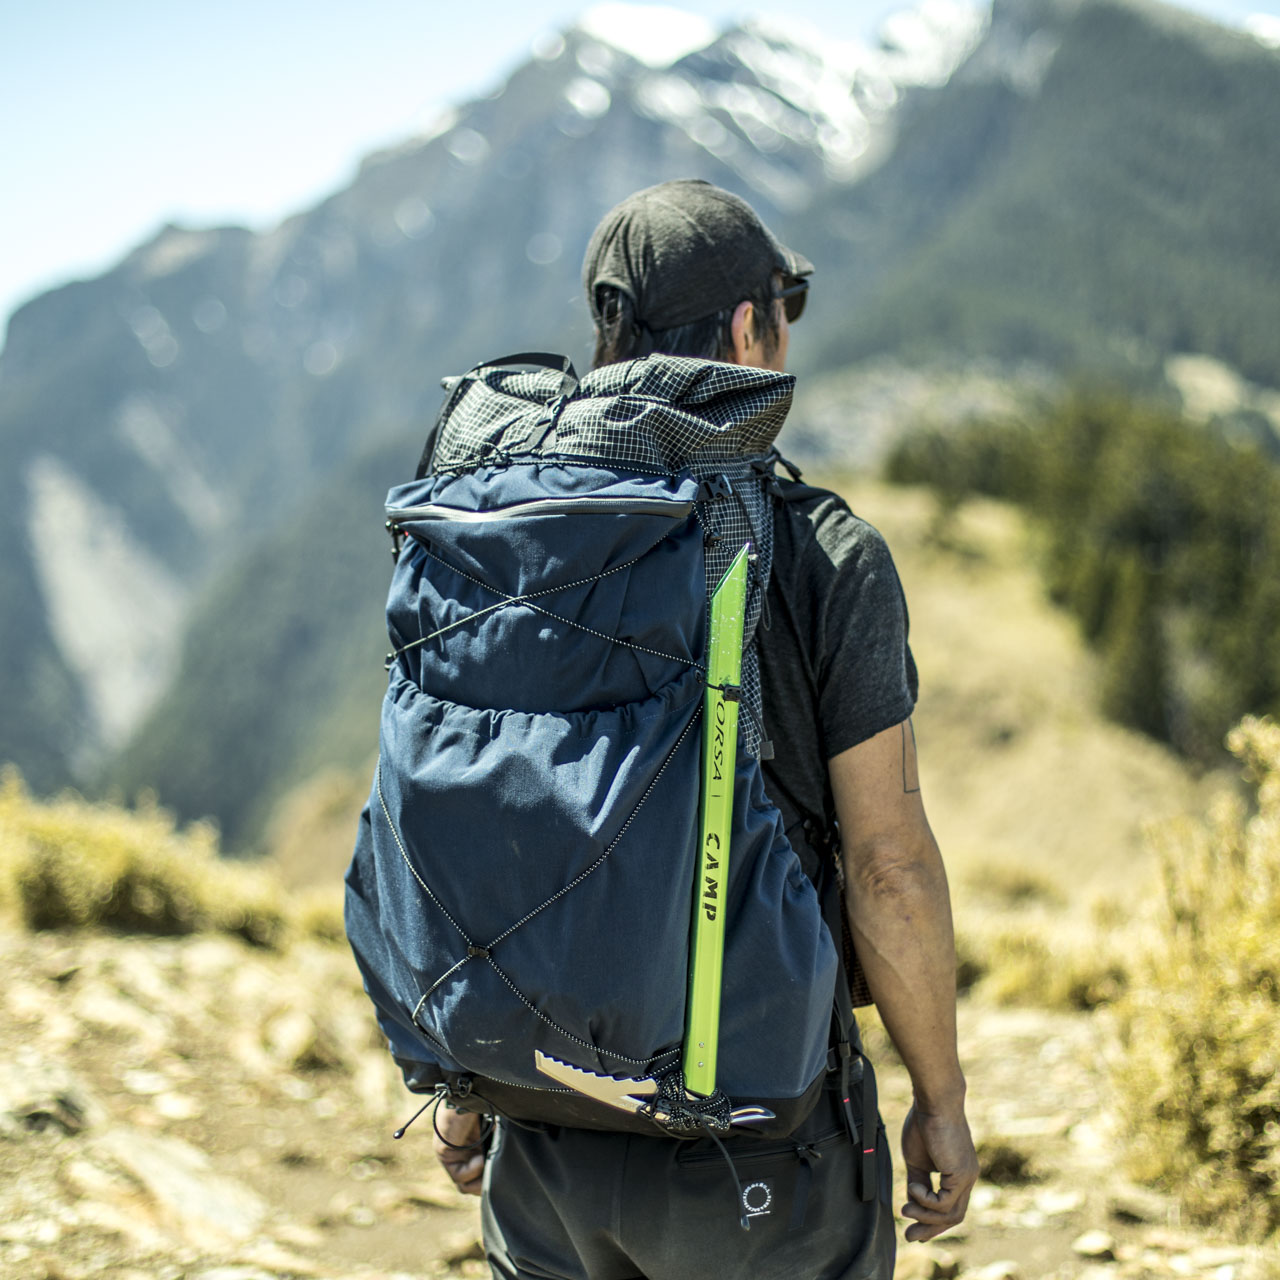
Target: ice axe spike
626, 1094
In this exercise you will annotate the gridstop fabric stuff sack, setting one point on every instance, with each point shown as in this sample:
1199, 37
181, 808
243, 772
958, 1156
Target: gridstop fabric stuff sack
522, 892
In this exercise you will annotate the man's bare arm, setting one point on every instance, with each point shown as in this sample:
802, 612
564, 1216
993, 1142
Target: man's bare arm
900, 915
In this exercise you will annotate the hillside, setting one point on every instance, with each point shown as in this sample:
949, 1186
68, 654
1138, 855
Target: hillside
1086, 206
198, 395
282, 668
1070, 187
201, 1107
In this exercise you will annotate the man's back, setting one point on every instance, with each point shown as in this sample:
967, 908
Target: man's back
689, 270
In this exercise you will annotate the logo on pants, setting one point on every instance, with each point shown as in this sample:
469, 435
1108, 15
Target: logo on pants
757, 1199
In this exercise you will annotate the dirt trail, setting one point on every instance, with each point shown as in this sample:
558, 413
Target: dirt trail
195, 1108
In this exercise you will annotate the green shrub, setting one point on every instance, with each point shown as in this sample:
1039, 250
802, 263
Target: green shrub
1028, 965
1199, 1079
1012, 884
69, 863
1160, 535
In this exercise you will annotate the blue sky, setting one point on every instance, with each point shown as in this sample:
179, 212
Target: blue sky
120, 116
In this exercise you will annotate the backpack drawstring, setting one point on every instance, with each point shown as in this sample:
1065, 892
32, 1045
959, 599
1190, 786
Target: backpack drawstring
431, 1102
433, 1105
743, 1220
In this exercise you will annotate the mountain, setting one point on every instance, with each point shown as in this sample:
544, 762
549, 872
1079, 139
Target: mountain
155, 420
1071, 185
1095, 188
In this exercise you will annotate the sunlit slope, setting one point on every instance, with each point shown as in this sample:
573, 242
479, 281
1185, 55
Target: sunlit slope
1019, 770
282, 668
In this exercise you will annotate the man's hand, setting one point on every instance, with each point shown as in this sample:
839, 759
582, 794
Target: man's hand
465, 1167
938, 1144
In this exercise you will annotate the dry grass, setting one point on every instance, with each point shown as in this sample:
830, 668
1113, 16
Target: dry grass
69, 863
1040, 806
1018, 768
312, 828
1199, 1076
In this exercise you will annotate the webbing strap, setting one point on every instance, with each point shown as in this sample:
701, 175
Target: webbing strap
541, 360
868, 1182
537, 359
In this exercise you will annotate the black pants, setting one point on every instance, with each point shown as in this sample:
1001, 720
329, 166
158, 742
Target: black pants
570, 1204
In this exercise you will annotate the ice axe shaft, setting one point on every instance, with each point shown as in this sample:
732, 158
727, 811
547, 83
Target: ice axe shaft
719, 761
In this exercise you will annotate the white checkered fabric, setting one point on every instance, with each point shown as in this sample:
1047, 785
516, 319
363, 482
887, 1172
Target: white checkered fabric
665, 414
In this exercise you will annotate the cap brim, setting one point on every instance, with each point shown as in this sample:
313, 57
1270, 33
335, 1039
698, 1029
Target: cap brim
793, 263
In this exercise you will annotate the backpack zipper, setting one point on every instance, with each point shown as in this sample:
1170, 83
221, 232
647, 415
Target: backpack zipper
673, 507
784, 1147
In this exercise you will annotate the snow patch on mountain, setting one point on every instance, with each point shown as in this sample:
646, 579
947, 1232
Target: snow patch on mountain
924, 45
653, 34
772, 84
1264, 28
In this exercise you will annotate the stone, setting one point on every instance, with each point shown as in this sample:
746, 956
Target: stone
376, 1085
1005, 1269
1095, 1244
206, 1208
298, 1235
464, 1248
1133, 1204
144, 1084
136, 971
177, 1106
279, 1261
325, 1107
132, 1221
233, 1273
1168, 1240
210, 957
1088, 1137
984, 1196
1214, 1257
1056, 1202
924, 1262
426, 1195
97, 1005
37, 1095
47, 1266
290, 1037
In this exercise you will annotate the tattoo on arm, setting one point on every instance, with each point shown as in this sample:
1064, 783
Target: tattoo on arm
910, 775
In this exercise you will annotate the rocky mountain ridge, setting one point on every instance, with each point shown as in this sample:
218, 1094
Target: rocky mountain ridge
164, 427
190, 398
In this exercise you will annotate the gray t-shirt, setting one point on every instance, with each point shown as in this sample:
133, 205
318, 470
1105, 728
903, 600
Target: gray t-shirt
835, 666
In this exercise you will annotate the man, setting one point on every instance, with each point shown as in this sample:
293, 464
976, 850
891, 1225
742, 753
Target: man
687, 269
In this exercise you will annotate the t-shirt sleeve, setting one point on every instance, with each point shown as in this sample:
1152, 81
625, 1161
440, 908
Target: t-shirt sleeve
867, 678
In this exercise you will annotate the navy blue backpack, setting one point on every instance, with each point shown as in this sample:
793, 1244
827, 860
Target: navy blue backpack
523, 878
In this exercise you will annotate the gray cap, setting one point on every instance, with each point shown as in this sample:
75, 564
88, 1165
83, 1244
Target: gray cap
684, 250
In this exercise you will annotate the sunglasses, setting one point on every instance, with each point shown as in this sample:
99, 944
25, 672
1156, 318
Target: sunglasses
793, 296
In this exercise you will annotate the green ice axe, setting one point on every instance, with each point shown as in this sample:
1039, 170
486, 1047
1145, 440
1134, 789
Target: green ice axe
719, 759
